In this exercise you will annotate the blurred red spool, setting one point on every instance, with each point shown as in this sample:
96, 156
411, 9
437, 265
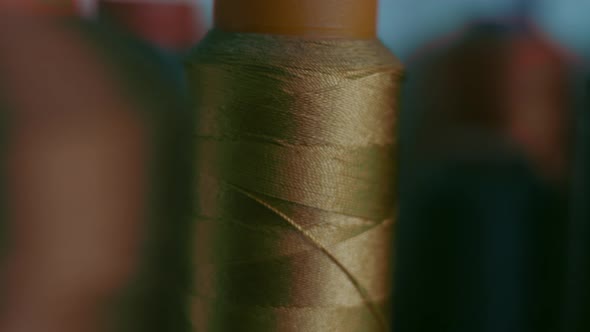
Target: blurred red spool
173, 26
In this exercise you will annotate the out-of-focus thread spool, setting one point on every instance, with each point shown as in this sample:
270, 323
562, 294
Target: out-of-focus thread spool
97, 173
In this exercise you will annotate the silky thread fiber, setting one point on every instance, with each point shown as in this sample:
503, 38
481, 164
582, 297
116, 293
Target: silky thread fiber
296, 145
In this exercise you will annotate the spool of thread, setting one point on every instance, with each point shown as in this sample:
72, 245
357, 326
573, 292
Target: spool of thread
576, 311
471, 183
296, 104
92, 234
155, 300
74, 180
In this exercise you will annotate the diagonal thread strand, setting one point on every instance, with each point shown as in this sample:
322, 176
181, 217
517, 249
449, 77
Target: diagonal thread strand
362, 291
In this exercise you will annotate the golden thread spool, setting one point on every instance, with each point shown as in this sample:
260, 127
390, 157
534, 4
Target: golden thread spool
296, 159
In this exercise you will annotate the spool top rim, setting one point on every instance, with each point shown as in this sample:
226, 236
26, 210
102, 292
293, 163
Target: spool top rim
309, 18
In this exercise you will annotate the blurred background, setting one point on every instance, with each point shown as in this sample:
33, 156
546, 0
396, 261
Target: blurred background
493, 232
406, 24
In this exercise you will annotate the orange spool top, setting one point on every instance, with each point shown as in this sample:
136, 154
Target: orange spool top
310, 18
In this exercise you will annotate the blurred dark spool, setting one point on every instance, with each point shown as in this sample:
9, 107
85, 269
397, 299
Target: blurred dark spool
482, 225
159, 302
576, 311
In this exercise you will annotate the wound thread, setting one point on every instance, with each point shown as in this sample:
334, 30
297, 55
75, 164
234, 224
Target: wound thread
296, 146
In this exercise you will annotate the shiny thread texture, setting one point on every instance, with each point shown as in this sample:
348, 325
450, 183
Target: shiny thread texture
296, 145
